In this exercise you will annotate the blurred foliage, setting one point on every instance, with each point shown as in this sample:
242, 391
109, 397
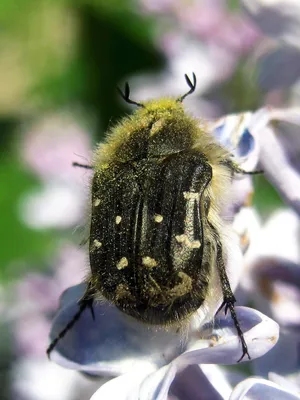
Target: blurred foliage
6, 362
266, 199
233, 4
71, 52
18, 242
56, 54
239, 93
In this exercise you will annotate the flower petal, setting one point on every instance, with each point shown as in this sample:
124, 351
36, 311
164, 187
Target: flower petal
239, 133
257, 389
283, 359
291, 115
279, 19
285, 383
188, 384
260, 332
112, 344
223, 347
156, 386
202, 382
124, 387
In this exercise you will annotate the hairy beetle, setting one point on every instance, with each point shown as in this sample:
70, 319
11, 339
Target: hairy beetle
156, 237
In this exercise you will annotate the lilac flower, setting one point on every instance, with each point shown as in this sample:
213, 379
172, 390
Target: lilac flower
272, 282
272, 258
36, 298
239, 133
271, 277
279, 19
253, 140
204, 37
207, 21
49, 149
51, 144
279, 66
53, 206
145, 360
185, 56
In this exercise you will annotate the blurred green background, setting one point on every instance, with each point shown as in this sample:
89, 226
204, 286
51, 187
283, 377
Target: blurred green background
58, 55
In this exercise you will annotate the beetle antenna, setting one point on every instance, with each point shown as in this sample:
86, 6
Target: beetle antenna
126, 94
192, 86
76, 164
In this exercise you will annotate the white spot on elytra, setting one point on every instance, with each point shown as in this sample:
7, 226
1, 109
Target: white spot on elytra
149, 262
191, 195
158, 218
97, 244
96, 202
195, 244
118, 219
123, 263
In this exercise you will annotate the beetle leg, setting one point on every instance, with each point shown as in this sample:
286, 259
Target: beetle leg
85, 302
228, 296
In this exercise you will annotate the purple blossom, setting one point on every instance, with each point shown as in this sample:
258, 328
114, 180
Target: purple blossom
278, 19
278, 66
51, 145
146, 360
49, 149
37, 297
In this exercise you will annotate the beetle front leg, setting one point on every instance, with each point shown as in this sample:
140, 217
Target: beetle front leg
85, 302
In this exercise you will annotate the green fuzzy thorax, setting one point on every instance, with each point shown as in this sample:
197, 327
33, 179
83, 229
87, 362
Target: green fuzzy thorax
160, 127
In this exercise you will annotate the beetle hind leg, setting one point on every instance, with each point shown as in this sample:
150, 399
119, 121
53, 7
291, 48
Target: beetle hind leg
229, 304
228, 296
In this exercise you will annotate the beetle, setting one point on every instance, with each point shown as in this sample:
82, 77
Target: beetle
156, 235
